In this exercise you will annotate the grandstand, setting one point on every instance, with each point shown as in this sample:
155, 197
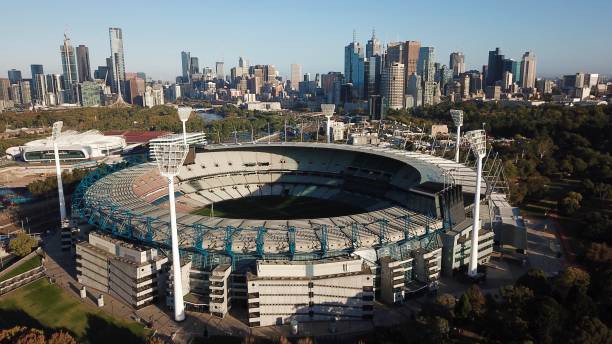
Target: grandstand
403, 196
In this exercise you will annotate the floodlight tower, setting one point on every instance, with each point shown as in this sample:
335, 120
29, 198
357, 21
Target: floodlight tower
184, 112
55, 134
170, 158
457, 116
328, 112
478, 143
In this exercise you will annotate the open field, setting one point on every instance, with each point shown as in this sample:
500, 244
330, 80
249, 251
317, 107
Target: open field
45, 306
278, 208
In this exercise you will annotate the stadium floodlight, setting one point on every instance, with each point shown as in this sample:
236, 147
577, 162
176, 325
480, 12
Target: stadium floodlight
184, 112
170, 158
457, 116
55, 134
328, 111
478, 142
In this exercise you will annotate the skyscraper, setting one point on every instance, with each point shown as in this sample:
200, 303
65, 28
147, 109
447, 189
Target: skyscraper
411, 56
14, 76
194, 65
117, 58
425, 64
495, 67
514, 67
373, 47
38, 89
393, 85
457, 63
296, 72
219, 70
185, 64
354, 68
394, 53
528, 70
69, 69
84, 68
5, 86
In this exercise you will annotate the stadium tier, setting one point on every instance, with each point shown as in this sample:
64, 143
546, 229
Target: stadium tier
413, 210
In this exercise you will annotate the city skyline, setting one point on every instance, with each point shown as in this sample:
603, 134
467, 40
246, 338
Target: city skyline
155, 48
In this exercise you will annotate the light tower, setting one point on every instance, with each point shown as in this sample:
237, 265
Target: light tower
328, 112
55, 134
184, 112
478, 143
457, 116
170, 158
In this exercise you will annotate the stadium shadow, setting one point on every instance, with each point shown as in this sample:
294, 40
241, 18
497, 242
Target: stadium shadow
100, 331
10, 318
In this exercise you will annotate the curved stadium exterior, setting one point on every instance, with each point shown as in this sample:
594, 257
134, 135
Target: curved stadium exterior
413, 208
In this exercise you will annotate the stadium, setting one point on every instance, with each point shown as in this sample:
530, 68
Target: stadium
304, 231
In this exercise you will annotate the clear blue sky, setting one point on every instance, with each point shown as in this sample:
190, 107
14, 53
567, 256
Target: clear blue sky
567, 36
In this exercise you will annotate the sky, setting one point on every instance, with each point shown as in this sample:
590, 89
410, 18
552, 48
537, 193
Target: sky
567, 36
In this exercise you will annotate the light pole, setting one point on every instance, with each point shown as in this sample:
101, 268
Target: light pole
478, 143
328, 112
170, 158
457, 116
184, 112
57, 130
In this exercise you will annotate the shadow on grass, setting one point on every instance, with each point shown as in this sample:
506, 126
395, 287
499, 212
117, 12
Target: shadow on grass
100, 330
10, 318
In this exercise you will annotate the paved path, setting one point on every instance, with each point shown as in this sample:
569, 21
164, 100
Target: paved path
543, 245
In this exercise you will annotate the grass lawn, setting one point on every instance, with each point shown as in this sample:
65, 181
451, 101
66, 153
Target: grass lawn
278, 208
29, 264
48, 307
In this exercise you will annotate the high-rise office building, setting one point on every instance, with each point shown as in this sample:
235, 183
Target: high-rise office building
69, 68
411, 56
5, 86
40, 93
296, 72
415, 89
55, 87
194, 65
219, 70
426, 64
90, 93
84, 68
514, 67
354, 67
117, 58
185, 64
457, 63
373, 47
394, 53
528, 70
25, 91
37, 92
102, 73
495, 67
373, 73
393, 85
14, 76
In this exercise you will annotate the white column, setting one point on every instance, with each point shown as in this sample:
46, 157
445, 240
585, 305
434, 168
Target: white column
458, 143
184, 133
328, 129
473, 267
179, 306
60, 187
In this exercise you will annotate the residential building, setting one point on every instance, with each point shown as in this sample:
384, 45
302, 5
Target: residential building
69, 68
25, 90
5, 85
194, 65
90, 93
37, 91
219, 71
153, 95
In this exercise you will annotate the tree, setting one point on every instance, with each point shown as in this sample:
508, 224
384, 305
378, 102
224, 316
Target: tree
544, 146
155, 340
476, 298
591, 331
535, 280
464, 307
572, 277
570, 203
22, 244
22, 335
62, 337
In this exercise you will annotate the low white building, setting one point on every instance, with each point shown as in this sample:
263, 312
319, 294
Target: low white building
263, 106
73, 146
339, 288
127, 272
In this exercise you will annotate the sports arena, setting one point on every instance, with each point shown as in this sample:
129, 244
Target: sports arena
392, 221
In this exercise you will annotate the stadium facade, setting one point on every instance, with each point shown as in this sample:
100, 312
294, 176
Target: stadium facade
414, 226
